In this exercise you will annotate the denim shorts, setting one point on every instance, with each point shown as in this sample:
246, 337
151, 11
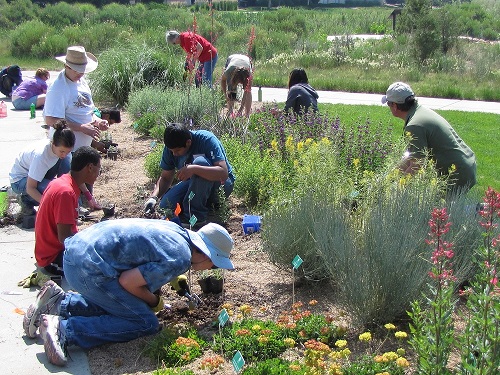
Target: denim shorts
21, 104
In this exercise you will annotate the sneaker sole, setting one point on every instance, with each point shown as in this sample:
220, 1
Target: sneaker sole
30, 324
51, 351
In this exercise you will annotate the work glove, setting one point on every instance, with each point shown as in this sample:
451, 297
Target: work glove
35, 279
180, 285
159, 306
149, 206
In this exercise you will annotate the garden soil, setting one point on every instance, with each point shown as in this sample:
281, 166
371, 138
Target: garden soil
255, 281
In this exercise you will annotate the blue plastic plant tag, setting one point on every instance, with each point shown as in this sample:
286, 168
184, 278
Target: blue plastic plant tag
191, 195
135, 126
238, 362
193, 220
296, 262
152, 144
223, 317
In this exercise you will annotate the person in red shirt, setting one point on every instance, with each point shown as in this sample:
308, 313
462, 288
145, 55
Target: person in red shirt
197, 49
58, 211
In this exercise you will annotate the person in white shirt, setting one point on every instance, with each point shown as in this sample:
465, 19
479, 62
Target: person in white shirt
39, 164
70, 98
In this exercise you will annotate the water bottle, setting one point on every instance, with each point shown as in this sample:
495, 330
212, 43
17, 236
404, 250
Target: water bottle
32, 111
259, 94
3, 109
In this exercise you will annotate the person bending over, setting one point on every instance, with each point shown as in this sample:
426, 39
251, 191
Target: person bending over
199, 49
238, 71
114, 269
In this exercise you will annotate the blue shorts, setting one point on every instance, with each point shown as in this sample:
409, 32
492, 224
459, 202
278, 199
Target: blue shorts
20, 103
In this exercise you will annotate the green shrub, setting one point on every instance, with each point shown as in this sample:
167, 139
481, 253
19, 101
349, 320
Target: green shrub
26, 36
152, 162
52, 45
256, 340
172, 348
61, 14
16, 12
274, 366
123, 70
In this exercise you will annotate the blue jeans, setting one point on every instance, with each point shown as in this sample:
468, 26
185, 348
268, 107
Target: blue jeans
208, 71
102, 311
202, 189
19, 187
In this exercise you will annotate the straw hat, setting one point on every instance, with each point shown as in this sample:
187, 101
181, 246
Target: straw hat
79, 60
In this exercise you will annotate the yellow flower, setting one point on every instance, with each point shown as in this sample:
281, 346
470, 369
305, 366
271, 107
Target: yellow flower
390, 326
256, 327
401, 335
300, 146
346, 352
308, 141
263, 339
289, 145
289, 342
365, 336
294, 367
340, 343
391, 356
274, 145
402, 362
401, 352
245, 309
325, 141
356, 163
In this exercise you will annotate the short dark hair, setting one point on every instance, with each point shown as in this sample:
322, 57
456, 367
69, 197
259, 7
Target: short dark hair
297, 75
63, 135
83, 157
113, 113
176, 135
406, 106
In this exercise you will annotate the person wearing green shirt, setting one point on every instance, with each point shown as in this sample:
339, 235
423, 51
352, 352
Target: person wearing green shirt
431, 136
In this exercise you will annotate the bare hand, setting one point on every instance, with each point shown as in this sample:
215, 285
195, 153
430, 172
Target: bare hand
91, 130
185, 173
101, 124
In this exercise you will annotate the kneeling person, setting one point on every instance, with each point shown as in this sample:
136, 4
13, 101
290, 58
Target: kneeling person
114, 267
58, 211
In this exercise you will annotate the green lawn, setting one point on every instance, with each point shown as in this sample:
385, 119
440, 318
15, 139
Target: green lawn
477, 129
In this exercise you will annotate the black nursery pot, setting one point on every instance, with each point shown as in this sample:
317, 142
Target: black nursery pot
211, 285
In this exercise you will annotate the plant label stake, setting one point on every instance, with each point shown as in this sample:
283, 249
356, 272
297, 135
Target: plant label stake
192, 220
296, 262
190, 197
238, 362
223, 318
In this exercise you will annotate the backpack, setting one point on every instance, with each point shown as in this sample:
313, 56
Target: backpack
10, 77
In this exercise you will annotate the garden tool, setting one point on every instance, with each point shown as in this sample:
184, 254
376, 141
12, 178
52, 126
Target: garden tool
180, 285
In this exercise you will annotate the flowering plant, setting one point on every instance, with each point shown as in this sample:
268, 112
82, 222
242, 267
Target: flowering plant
433, 330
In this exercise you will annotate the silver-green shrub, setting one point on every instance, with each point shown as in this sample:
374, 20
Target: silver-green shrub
196, 107
363, 230
123, 70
